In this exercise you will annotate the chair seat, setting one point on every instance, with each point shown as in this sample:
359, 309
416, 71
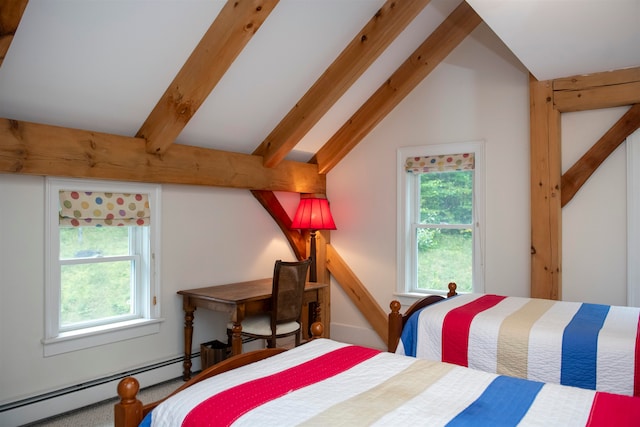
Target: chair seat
261, 325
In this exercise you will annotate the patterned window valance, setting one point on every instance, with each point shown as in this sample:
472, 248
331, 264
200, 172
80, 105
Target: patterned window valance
98, 209
443, 163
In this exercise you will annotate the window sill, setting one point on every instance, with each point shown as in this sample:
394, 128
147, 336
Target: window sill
100, 335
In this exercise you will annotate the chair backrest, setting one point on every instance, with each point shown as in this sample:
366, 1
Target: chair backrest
289, 279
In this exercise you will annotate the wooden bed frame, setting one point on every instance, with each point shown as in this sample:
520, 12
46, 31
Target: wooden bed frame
398, 320
130, 411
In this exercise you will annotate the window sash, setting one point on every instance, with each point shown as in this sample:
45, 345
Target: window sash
408, 210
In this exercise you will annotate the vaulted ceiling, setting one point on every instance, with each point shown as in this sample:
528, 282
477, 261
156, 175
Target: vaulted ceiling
284, 85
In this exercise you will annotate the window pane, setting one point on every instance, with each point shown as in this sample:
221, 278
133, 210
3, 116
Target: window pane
95, 291
81, 242
446, 197
445, 255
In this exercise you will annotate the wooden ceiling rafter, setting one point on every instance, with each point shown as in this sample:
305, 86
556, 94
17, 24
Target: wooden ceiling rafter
11, 12
229, 33
38, 149
390, 20
453, 30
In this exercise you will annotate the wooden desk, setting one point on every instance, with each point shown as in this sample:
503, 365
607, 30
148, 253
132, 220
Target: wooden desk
239, 300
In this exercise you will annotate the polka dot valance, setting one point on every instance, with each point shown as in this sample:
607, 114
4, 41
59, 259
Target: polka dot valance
442, 163
98, 209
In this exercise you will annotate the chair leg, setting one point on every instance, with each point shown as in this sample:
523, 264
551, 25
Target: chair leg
298, 337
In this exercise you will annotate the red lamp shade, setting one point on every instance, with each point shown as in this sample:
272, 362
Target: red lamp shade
313, 214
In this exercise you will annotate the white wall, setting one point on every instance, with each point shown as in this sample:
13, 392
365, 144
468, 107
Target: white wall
209, 236
479, 93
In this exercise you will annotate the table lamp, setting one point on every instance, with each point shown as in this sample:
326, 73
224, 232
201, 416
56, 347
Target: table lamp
313, 214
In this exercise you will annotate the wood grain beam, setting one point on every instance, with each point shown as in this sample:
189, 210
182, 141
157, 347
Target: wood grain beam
37, 149
597, 97
579, 173
455, 28
597, 90
588, 81
10, 15
546, 214
271, 203
367, 45
232, 29
358, 293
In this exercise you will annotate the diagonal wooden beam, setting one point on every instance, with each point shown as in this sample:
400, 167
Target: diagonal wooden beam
10, 15
579, 173
368, 44
431, 52
271, 203
357, 292
232, 29
37, 149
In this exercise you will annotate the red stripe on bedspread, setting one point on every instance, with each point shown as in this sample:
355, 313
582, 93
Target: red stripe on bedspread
610, 409
636, 370
456, 325
227, 406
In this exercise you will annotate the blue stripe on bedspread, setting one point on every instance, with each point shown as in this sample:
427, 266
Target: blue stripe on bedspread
146, 421
503, 403
409, 336
580, 346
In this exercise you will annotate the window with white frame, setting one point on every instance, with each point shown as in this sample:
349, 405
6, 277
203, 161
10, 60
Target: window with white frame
102, 241
440, 218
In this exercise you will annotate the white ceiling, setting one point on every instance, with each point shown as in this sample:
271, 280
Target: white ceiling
102, 65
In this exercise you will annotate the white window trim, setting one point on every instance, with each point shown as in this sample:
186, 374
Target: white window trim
403, 247
56, 343
633, 219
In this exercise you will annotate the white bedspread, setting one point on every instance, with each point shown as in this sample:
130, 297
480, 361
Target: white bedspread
382, 389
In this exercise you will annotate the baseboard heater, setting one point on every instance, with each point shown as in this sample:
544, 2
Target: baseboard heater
66, 399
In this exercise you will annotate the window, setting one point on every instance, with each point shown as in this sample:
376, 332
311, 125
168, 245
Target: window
440, 218
102, 250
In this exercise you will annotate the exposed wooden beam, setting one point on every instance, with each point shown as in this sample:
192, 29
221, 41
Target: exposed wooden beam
598, 90
37, 149
232, 29
458, 25
358, 293
579, 173
271, 203
10, 15
367, 45
588, 81
546, 212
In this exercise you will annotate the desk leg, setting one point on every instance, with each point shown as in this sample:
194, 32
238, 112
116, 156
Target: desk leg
188, 338
236, 339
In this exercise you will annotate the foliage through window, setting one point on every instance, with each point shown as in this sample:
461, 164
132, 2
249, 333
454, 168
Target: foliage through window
439, 213
102, 243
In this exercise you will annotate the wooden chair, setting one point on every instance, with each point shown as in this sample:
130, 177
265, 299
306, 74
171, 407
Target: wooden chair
283, 320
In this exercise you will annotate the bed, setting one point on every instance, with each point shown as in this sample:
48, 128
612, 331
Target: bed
328, 383
592, 346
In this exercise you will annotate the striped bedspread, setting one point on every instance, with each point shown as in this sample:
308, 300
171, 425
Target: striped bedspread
326, 383
591, 346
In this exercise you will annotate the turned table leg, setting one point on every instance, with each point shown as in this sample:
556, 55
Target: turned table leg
188, 338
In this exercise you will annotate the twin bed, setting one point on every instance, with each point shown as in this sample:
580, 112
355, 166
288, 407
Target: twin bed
324, 382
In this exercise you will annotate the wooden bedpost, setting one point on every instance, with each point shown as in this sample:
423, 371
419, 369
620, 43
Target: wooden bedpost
395, 326
452, 289
128, 413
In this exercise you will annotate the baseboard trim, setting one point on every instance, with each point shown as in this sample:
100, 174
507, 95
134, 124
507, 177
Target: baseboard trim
68, 399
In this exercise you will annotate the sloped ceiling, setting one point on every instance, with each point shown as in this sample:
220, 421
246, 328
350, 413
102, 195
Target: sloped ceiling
563, 38
102, 65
